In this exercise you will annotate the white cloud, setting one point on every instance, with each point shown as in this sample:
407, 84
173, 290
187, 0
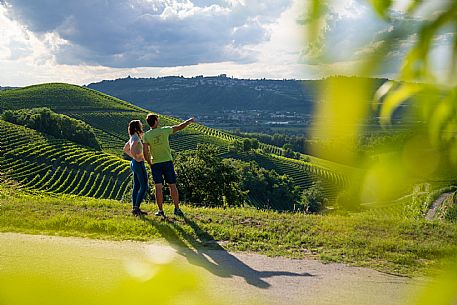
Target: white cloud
136, 33
85, 41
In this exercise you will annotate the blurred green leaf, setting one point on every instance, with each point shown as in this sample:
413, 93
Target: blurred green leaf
341, 111
382, 7
441, 116
395, 98
442, 291
453, 71
413, 6
381, 93
315, 12
416, 64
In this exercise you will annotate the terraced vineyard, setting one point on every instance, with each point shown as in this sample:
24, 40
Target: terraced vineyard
43, 163
112, 129
302, 173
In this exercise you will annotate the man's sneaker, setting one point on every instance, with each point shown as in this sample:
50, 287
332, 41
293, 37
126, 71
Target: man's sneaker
159, 213
178, 212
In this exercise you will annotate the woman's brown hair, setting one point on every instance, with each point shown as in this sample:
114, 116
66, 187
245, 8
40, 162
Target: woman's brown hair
135, 126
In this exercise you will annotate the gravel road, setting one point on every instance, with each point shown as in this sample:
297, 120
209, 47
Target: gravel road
242, 277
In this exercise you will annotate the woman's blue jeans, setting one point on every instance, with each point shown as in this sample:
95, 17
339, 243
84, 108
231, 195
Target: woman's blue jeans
140, 183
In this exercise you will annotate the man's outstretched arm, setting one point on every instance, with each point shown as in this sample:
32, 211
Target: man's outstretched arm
183, 125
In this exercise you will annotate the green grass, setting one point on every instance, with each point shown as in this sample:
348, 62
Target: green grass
391, 245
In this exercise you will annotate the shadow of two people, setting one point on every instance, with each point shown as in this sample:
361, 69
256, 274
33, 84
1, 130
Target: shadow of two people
206, 252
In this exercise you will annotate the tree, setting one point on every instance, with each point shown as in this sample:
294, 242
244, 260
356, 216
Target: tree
58, 125
204, 179
313, 199
236, 146
247, 145
269, 189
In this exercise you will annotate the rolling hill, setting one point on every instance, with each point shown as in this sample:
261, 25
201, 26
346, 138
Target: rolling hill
175, 94
40, 162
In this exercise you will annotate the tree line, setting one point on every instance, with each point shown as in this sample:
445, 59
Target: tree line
208, 180
58, 125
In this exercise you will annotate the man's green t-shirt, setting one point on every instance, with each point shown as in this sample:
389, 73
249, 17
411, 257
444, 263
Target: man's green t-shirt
159, 145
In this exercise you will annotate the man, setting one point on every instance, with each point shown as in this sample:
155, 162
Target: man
157, 153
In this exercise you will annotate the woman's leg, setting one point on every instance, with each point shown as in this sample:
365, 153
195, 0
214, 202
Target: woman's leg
136, 185
143, 181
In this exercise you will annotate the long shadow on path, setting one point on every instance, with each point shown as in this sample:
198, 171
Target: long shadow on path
208, 254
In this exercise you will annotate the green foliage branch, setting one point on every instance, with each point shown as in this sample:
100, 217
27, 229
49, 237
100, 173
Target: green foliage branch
57, 125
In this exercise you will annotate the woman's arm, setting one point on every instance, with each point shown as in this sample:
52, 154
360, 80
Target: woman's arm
127, 149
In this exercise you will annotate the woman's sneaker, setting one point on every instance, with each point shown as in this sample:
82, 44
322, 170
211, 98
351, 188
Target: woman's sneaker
178, 212
138, 212
159, 213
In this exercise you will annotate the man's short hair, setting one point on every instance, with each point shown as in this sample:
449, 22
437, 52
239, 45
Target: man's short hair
152, 119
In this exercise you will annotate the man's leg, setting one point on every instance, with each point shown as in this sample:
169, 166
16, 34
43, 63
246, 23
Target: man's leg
174, 195
170, 177
159, 195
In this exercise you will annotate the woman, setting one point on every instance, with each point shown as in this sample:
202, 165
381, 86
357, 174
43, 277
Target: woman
134, 148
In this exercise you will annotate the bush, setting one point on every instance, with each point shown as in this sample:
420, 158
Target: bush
269, 189
246, 144
451, 214
57, 125
313, 199
204, 179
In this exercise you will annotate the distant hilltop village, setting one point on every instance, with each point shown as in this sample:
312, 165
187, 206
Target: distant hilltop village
221, 101
220, 80
211, 93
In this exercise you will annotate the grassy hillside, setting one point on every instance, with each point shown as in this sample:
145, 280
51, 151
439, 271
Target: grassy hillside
109, 117
391, 244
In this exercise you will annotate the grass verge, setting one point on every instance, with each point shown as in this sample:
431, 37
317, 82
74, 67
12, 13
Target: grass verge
388, 244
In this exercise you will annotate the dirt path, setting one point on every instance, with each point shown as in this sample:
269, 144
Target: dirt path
436, 205
242, 278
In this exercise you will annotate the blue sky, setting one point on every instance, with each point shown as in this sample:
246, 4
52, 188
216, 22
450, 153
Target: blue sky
85, 41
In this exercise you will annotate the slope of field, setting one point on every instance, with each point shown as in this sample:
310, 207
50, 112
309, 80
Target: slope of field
43, 163
110, 116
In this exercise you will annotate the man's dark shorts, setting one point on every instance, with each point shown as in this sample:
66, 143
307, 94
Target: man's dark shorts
161, 170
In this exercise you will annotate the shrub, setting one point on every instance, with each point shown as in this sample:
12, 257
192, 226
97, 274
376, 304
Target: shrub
204, 179
313, 199
270, 190
57, 125
451, 214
